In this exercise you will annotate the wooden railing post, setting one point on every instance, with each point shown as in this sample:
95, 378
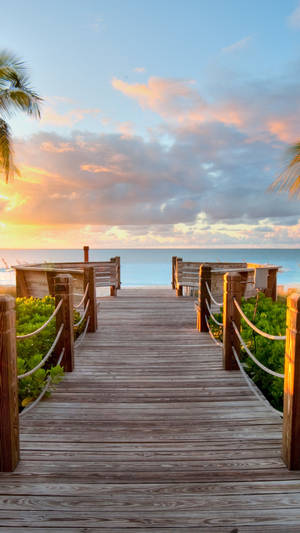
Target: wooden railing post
9, 408
21, 286
86, 253
178, 266
89, 278
232, 289
291, 404
118, 261
173, 270
271, 291
202, 312
113, 288
64, 290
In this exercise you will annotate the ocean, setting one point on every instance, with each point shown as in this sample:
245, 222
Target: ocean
153, 266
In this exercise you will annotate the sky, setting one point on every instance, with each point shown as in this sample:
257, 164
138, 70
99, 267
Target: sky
163, 123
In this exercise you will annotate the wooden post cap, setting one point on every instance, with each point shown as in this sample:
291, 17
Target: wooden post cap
86, 253
63, 281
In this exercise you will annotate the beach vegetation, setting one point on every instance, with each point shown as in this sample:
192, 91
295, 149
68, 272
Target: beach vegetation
270, 317
32, 313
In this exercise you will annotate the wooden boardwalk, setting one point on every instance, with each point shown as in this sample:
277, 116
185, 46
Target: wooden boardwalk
150, 434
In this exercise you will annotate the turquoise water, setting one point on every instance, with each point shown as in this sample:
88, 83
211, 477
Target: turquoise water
153, 266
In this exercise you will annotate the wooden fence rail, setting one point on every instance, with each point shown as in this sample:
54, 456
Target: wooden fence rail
63, 286
185, 274
37, 280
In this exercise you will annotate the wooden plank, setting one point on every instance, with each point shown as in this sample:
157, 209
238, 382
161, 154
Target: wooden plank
149, 432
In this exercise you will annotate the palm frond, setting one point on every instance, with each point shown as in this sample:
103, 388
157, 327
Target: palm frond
6, 151
9, 60
23, 99
289, 179
15, 94
15, 91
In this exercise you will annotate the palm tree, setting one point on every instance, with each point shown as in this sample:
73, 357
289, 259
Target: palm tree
289, 179
15, 94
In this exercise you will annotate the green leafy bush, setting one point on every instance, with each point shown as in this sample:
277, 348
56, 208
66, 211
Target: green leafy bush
270, 317
32, 313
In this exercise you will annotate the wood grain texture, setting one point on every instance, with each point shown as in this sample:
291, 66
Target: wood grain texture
149, 433
9, 416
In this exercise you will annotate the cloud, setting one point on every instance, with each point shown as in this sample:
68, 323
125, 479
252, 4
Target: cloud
210, 174
126, 128
56, 116
262, 108
205, 187
293, 19
168, 97
140, 70
239, 45
57, 149
95, 169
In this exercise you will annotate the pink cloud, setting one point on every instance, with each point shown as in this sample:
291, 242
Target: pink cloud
168, 97
179, 101
56, 149
257, 110
66, 118
94, 169
126, 128
286, 129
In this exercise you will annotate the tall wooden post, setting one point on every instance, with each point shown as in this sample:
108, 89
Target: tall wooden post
291, 405
9, 408
232, 289
86, 253
89, 278
178, 276
118, 261
271, 291
173, 270
64, 291
203, 294
113, 287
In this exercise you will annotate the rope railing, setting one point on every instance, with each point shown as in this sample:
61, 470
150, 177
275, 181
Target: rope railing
77, 306
218, 343
83, 315
212, 315
43, 361
218, 304
83, 334
43, 392
67, 287
251, 385
28, 335
259, 331
256, 361
234, 289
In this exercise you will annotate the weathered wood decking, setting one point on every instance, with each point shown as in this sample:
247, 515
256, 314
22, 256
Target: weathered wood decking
150, 434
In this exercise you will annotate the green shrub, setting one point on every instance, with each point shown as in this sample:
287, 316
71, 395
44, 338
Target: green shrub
270, 317
32, 313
